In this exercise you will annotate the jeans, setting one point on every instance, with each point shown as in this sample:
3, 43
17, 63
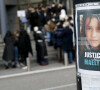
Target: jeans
48, 36
7, 64
46, 60
16, 54
70, 55
37, 58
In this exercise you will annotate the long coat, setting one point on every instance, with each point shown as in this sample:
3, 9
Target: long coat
33, 19
40, 46
24, 44
57, 38
67, 40
39, 19
8, 53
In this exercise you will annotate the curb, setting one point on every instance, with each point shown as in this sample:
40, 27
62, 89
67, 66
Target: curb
36, 72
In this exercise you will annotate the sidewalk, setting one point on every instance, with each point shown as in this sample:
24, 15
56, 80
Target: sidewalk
52, 58
53, 63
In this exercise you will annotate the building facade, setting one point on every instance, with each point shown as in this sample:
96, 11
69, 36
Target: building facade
11, 7
23, 4
8, 16
12, 20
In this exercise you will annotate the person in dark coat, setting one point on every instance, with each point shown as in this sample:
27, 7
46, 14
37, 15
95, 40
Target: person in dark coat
61, 6
40, 47
8, 53
33, 19
67, 40
46, 15
24, 46
39, 18
58, 42
54, 8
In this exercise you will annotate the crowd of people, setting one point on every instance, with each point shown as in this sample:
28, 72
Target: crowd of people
57, 25
17, 47
49, 24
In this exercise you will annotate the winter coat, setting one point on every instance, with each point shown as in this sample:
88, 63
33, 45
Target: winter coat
57, 38
46, 17
52, 26
67, 39
40, 46
24, 44
39, 19
8, 53
54, 9
33, 19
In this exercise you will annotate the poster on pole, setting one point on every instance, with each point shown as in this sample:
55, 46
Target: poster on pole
87, 19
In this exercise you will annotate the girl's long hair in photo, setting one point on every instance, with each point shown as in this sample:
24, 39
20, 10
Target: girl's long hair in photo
86, 44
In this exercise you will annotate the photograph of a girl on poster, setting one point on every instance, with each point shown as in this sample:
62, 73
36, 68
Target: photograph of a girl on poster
89, 41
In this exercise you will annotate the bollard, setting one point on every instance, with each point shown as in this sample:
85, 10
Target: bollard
28, 64
66, 58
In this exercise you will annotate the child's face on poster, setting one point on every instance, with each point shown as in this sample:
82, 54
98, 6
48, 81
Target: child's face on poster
92, 31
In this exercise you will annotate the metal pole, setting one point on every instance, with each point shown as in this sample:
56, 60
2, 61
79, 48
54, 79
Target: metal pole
3, 18
28, 64
66, 58
68, 6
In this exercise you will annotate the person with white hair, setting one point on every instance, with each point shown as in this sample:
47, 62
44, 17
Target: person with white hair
63, 15
62, 18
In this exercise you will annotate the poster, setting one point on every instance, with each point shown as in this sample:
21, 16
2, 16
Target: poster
87, 19
21, 13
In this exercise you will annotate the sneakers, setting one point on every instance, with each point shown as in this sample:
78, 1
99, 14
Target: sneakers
18, 65
22, 65
25, 67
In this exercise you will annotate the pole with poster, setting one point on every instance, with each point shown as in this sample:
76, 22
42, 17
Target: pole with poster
87, 26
